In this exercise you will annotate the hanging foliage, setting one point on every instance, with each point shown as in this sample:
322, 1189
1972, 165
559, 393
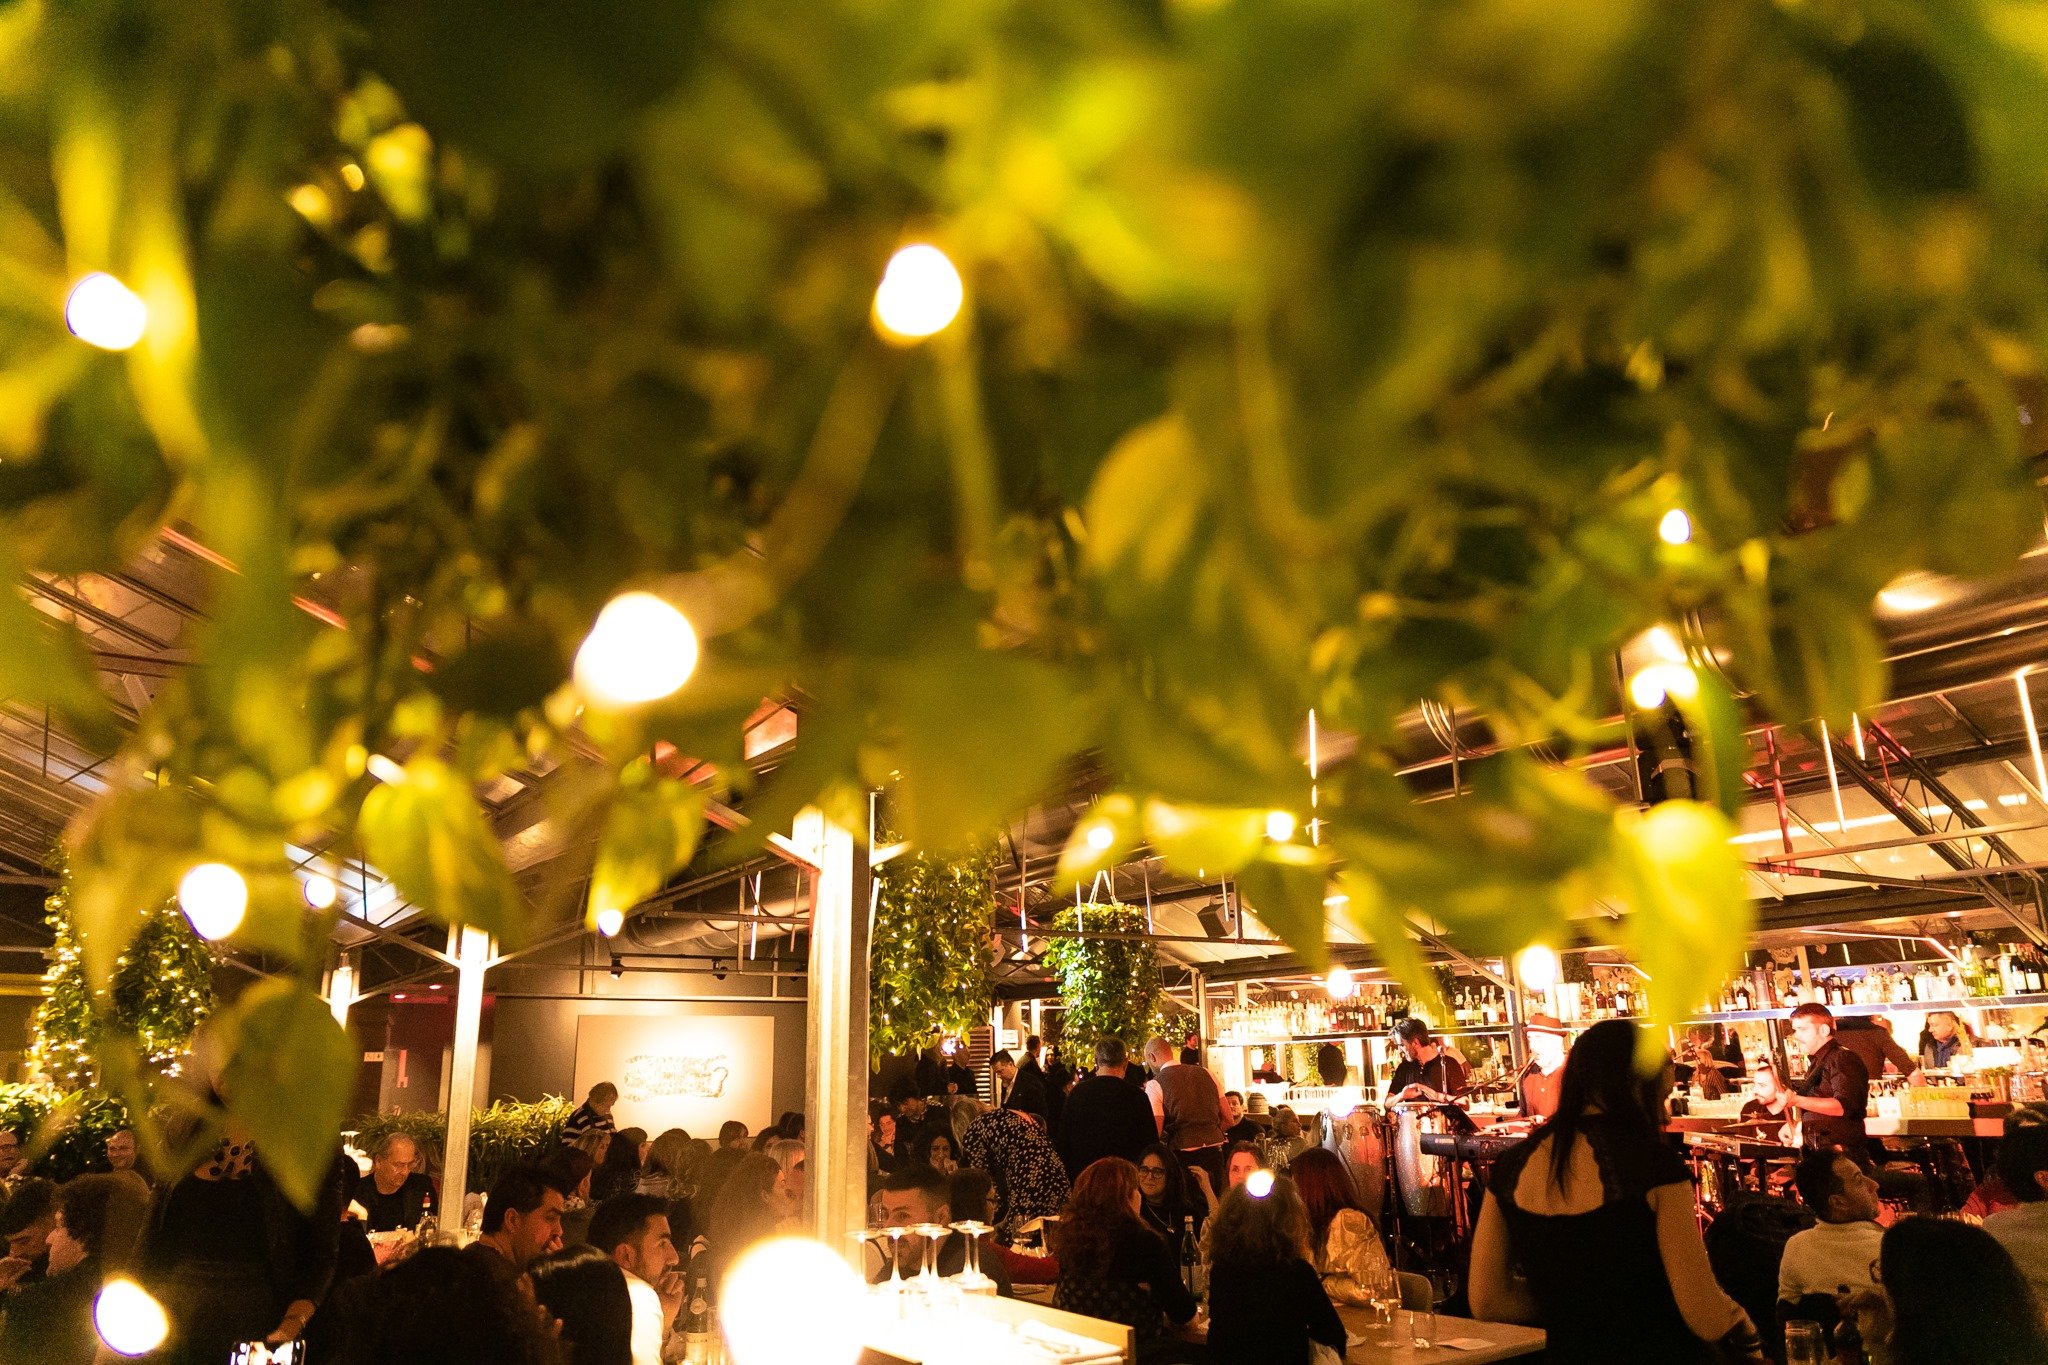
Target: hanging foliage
929, 955
1110, 986
160, 991
1275, 390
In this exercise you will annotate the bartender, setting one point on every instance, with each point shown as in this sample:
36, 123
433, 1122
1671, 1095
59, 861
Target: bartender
1536, 1088
1429, 1071
1832, 1100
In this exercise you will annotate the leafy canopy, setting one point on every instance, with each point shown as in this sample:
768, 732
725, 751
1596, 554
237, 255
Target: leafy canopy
1324, 354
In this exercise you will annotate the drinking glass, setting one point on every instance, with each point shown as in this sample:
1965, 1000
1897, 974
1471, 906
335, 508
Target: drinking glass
1386, 1307
895, 1236
1422, 1327
971, 1280
1803, 1345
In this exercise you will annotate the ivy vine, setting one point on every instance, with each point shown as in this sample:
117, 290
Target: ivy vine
1110, 987
929, 954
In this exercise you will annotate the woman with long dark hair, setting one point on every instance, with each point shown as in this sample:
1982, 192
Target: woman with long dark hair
1588, 1227
1114, 1267
750, 1207
1266, 1302
1952, 1293
1169, 1200
1343, 1242
586, 1292
938, 1149
619, 1172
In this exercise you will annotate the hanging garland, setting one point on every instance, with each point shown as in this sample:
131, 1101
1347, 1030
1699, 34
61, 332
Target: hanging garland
1110, 987
928, 957
161, 989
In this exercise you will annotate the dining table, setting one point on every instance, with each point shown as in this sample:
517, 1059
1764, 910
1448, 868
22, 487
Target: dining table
1464, 1340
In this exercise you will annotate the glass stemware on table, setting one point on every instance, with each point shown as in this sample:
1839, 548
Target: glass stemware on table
1384, 1293
971, 1280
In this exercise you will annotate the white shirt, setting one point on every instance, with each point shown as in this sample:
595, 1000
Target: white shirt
1827, 1256
647, 1320
2023, 1232
1158, 1104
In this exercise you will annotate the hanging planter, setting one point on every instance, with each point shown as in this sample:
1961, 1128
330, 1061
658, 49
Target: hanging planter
928, 957
1110, 987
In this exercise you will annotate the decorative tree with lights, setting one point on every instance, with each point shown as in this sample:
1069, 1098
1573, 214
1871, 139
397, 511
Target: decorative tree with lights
160, 991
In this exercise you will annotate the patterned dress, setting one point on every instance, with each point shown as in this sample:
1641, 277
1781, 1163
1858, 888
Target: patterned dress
1029, 1178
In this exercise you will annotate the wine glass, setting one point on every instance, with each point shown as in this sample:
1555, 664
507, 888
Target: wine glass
867, 1238
1386, 1305
895, 1236
971, 1280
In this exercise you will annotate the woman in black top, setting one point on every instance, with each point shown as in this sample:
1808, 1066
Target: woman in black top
1169, 1203
1266, 1302
1953, 1294
1114, 1267
583, 1289
1588, 1226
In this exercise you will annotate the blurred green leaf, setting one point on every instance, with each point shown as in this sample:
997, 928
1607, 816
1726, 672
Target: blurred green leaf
1688, 918
650, 832
514, 664
284, 1042
1198, 839
45, 664
1285, 887
428, 835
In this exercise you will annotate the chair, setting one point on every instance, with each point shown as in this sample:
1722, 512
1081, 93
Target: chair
1416, 1293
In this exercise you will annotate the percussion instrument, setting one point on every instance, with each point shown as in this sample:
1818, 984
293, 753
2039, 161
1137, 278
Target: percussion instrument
1424, 1182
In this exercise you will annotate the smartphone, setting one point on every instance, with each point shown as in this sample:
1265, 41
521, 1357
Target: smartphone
261, 1353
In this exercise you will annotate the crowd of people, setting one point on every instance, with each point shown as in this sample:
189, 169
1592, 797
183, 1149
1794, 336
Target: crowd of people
1137, 1191
586, 1255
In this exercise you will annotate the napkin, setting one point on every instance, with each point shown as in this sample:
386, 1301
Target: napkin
1069, 1348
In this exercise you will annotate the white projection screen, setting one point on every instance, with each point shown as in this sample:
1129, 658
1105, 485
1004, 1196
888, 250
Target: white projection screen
680, 1071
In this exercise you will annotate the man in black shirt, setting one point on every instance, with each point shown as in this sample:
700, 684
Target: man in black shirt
1023, 1088
396, 1196
1431, 1071
1831, 1100
1236, 1127
1105, 1115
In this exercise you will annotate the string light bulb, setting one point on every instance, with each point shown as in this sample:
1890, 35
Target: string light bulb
1538, 966
128, 1318
1675, 528
1279, 825
920, 294
640, 650
101, 311
610, 920
1259, 1184
320, 891
1339, 984
1101, 836
1653, 684
753, 1306
214, 898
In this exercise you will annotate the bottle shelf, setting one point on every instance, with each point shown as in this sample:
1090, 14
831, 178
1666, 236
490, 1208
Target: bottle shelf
1474, 1030
1781, 1012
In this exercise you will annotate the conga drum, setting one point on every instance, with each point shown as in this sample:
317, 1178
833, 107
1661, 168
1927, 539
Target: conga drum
1424, 1182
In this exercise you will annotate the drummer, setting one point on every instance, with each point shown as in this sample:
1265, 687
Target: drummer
1430, 1070
1536, 1088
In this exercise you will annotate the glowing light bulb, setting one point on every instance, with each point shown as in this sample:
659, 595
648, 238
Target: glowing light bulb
640, 650
103, 312
1259, 1184
1675, 528
320, 891
383, 769
128, 1319
1538, 966
610, 920
1279, 826
1100, 836
920, 294
214, 898
1339, 984
1653, 684
754, 1306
